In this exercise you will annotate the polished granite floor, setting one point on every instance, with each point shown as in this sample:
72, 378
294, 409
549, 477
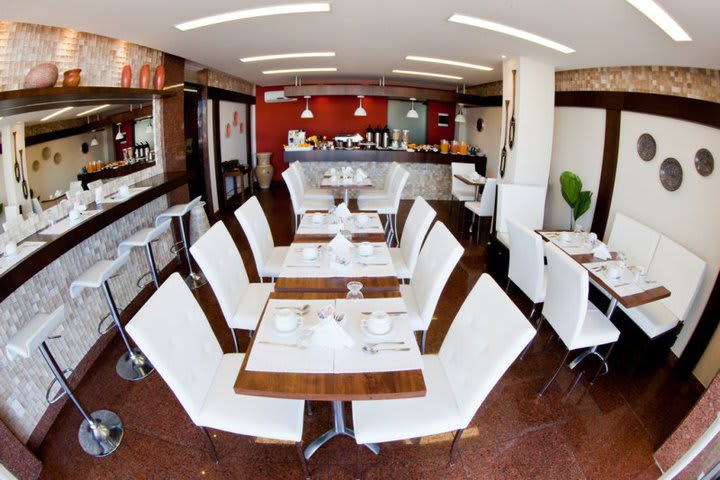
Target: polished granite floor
605, 431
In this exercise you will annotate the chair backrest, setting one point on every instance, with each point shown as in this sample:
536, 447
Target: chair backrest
173, 332
681, 271
566, 300
636, 240
257, 230
300, 172
219, 259
93, 185
461, 168
487, 199
436, 261
484, 339
390, 174
291, 182
524, 203
76, 186
396, 189
527, 260
12, 212
13, 219
414, 231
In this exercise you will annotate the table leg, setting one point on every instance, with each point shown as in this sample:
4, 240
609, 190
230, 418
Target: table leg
242, 187
346, 197
338, 429
611, 307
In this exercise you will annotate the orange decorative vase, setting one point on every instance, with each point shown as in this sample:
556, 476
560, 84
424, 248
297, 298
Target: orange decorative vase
144, 79
126, 77
71, 78
160, 77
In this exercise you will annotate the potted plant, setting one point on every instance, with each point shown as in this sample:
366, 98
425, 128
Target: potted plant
577, 199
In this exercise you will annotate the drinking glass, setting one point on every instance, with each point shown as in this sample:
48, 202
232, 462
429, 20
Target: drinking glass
354, 291
621, 260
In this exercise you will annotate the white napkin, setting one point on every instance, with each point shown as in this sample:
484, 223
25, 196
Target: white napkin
601, 252
348, 171
342, 211
359, 176
340, 244
331, 335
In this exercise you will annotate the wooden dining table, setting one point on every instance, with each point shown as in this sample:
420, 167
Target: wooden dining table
336, 388
478, 183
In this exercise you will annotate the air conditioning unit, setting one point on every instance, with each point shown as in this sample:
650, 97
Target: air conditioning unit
277, 96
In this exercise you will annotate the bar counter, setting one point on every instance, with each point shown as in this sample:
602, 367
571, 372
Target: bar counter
400, 156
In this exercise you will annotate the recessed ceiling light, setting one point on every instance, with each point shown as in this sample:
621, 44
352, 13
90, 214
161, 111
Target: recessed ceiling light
503, 57
254, 13
428, 74
53, 115
87, 112
283, 56
300, 70
448, 62
661, 18
515, 32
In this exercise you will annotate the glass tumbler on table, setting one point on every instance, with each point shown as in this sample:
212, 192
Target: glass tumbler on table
354, 291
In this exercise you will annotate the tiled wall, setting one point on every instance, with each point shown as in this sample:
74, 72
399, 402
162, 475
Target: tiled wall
213, 78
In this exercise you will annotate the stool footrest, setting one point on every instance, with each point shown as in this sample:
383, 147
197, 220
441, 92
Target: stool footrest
103, 331
142, 284
177, 247
61, 393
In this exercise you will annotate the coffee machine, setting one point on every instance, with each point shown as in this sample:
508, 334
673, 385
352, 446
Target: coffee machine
296, 137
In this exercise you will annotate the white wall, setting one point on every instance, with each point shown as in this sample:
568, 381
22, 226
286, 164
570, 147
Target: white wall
233, 147
211, 154
487, 140
687, 215
578, 143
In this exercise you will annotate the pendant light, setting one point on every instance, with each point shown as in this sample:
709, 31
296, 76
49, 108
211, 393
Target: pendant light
360, 111
460, 118
307, 113
412, 113
120, 135
94, 142
149, 128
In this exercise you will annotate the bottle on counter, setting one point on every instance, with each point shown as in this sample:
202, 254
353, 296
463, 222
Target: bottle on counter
385, 137
369, 134
377, 133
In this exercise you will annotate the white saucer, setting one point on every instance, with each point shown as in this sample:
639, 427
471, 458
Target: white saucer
288, 332
367, 332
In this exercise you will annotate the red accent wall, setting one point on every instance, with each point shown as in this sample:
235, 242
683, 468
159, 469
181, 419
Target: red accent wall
333, 116
435, 133
129, 130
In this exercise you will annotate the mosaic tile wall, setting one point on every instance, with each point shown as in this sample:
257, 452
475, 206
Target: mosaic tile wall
23, 45
486, 89
430, 181
214, 78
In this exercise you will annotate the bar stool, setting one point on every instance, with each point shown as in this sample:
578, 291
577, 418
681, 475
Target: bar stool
194, 279
132, 365
144, 238
101, 431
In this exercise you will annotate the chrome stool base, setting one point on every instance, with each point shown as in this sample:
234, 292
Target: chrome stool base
133, 367
195, 280
104, 436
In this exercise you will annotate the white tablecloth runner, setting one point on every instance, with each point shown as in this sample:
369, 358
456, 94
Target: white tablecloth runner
117, 198
378, 265
66, 224
330, 226
626, 284
575, 246
326, 182
23, 250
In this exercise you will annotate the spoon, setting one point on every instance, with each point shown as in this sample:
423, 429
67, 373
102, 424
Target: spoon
339, 316
374, 349
300, 310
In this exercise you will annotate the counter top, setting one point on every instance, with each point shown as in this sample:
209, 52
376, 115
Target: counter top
400, 156
56, 246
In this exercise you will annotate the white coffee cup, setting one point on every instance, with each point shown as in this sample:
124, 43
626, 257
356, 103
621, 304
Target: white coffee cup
74, 214
124, 191
285, 320
565, 236
318, 218
639, 272
11, 248
378, 323
613, 272
310, 253
333, 179
361, 219
365, 249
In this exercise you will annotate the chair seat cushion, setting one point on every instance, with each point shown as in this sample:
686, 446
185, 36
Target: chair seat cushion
33, 333
401, 268
251, 306
174, 211
379, 205
223, 409
413, 312
653, 318
138, 239
596, 330
274, 263
369, 193
376, 421
464, 196
93, 277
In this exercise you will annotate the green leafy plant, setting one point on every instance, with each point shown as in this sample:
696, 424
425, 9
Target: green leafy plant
578, 199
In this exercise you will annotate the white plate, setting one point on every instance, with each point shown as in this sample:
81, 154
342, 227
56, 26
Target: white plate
288, 332
370, 334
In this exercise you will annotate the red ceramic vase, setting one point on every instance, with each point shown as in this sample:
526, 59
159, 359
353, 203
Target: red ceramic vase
126, 77
71, 78
144, 79
160, 77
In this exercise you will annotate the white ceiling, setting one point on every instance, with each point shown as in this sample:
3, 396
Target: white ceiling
372, 37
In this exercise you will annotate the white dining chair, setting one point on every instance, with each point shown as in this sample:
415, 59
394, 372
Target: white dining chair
308, 192
380, 192
526, 267
577, 322
299, 203
485, 207
416, 226
241, 302
174, 333
268, 257
436, 261
524, 203
681, 272
389, 204
484, 339
636, 240
459, 190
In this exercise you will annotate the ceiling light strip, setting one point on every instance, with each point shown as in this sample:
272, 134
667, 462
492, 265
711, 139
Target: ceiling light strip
661, 18
448, 62
88, 112
254, 13
514, 32
283, 56
428, 74
300, 70
53, 115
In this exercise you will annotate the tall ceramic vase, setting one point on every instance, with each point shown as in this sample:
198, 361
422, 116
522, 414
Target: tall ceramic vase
264, 170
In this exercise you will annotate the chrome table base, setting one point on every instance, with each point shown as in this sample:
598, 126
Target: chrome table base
195, 280
133, 367
103, 436
338, 429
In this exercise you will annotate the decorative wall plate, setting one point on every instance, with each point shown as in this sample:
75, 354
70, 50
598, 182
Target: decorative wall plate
671, 174
57, 158
646, 147
228, 130
236, 118
36, 166
46, 153
704, 162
